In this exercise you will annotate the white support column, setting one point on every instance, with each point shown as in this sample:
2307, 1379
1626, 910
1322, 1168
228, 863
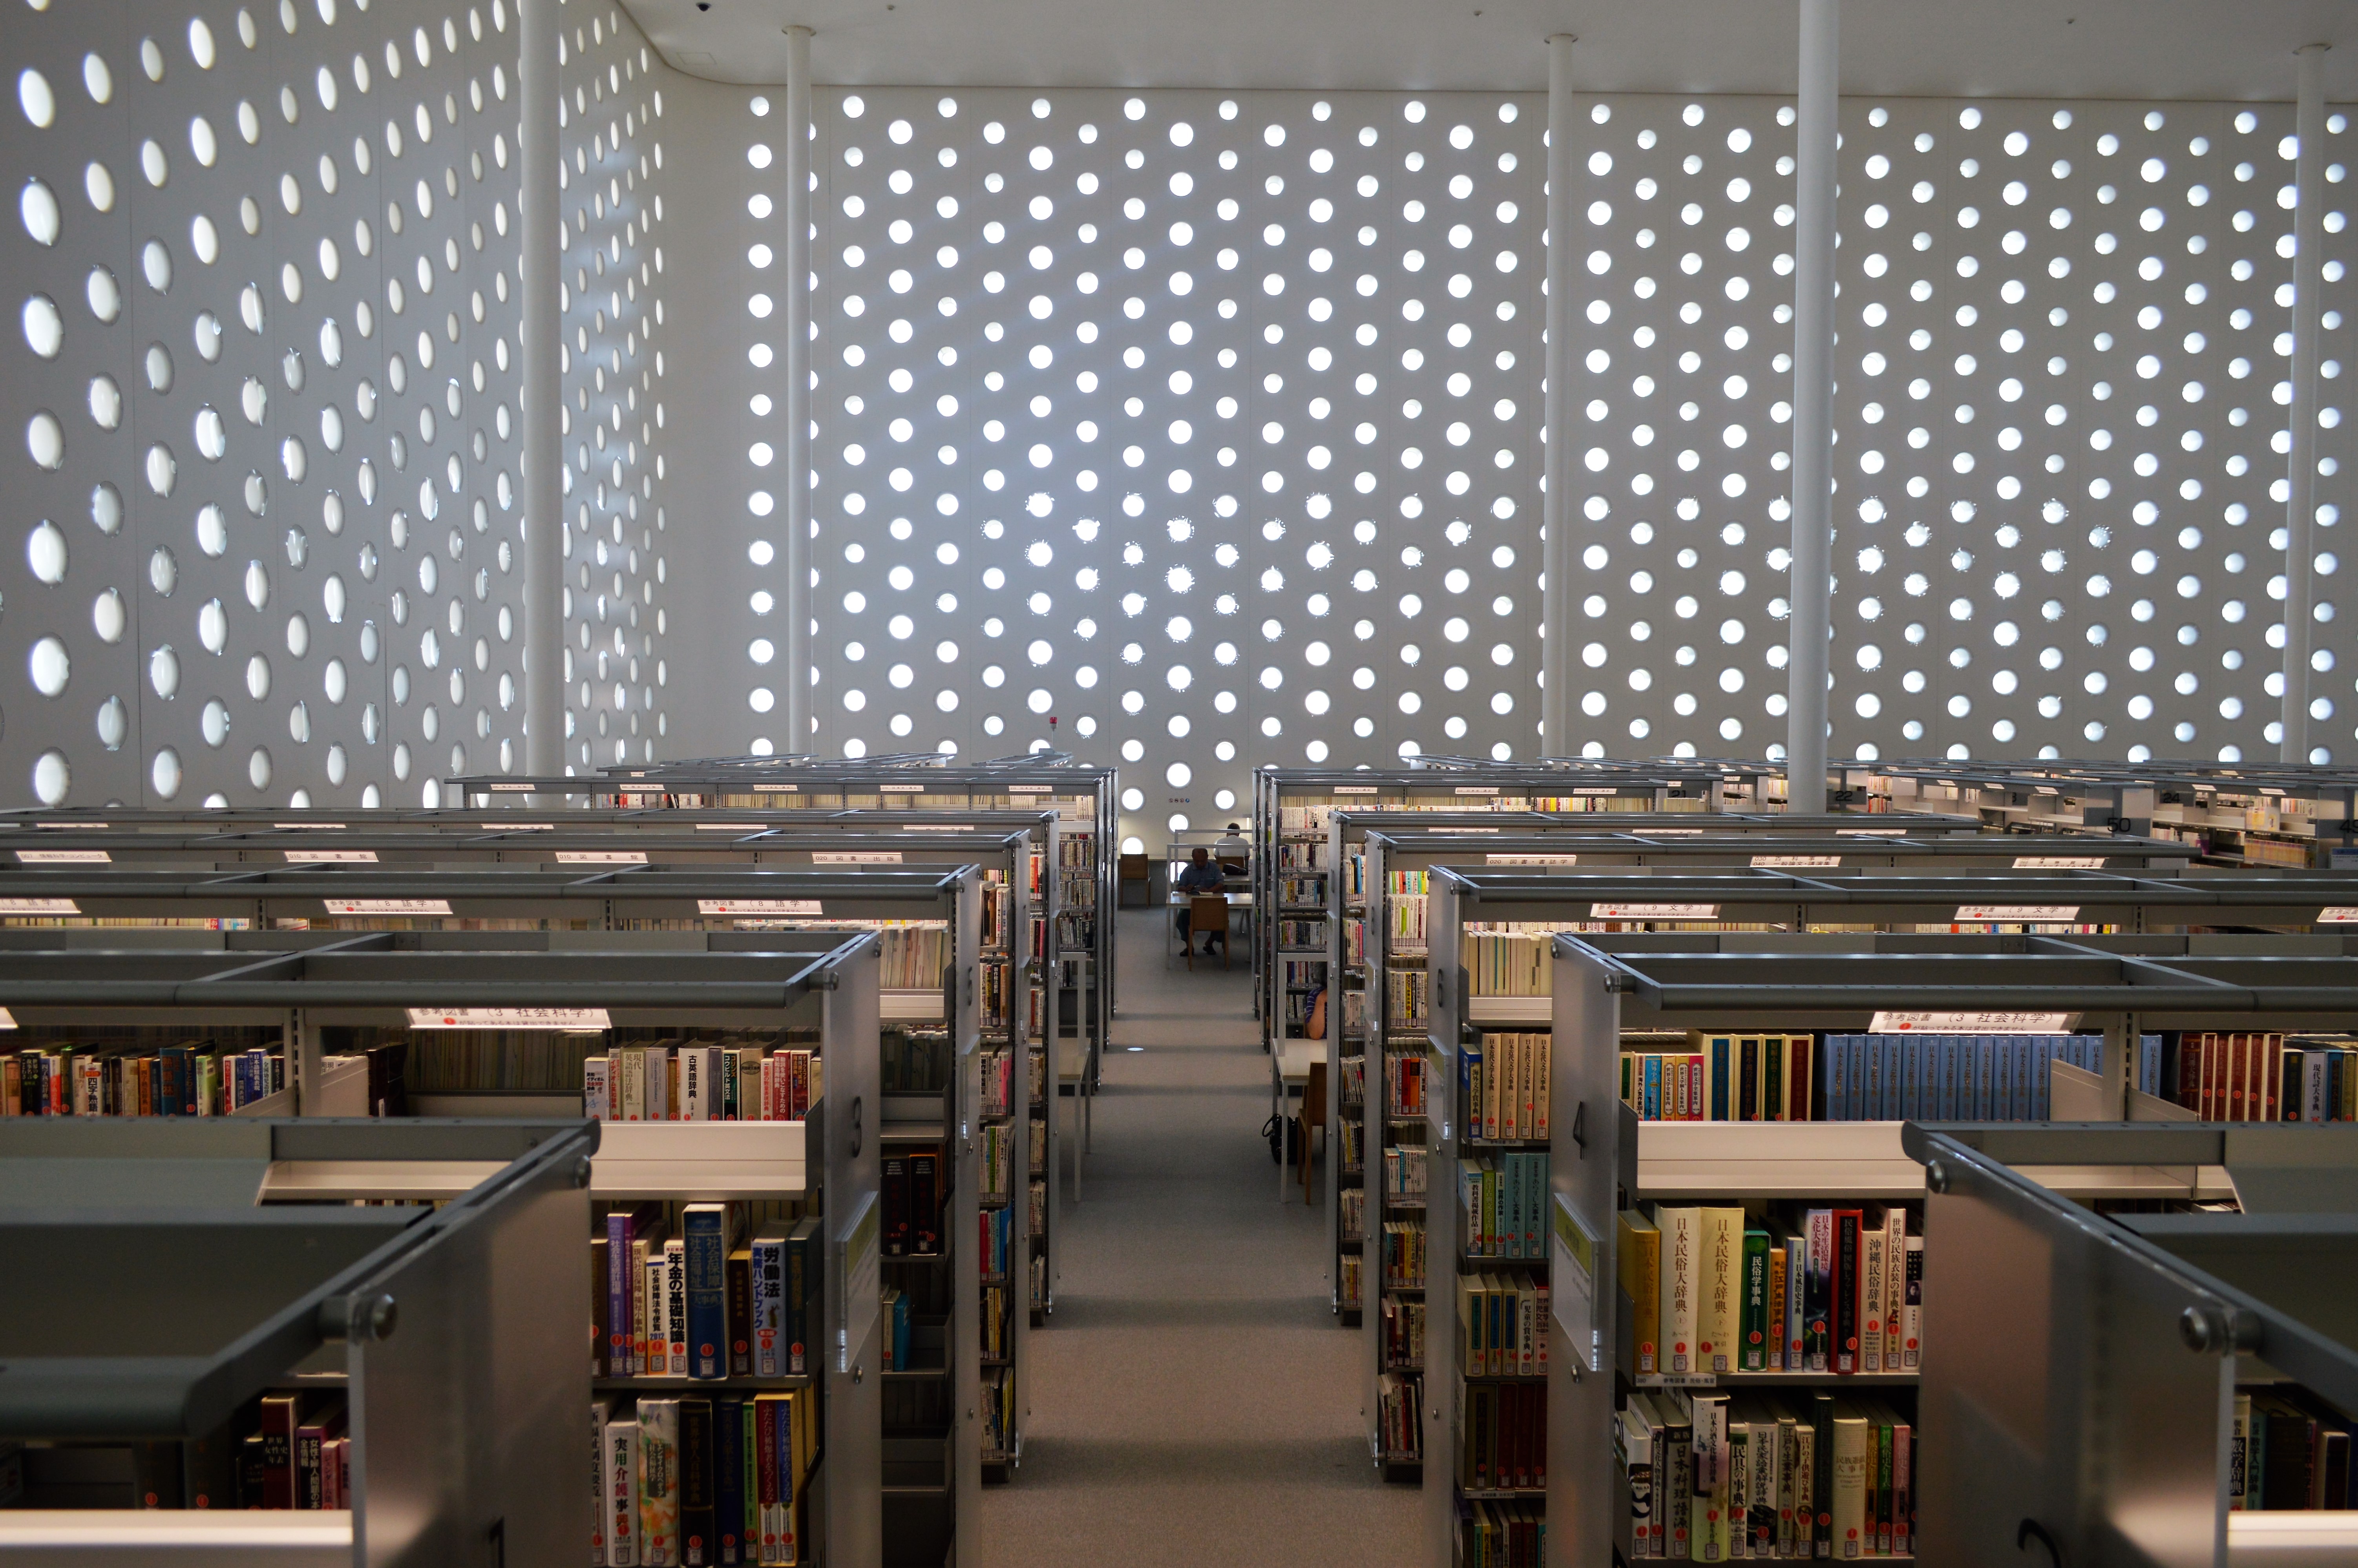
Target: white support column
798, 692
2301, 503
1558, 511
541, 344
1813, 407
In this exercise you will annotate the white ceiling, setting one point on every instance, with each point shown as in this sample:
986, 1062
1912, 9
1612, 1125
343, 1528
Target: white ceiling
2076, 49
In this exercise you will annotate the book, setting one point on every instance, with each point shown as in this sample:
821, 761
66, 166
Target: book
706, 1246
1845, 1306
622, 1491
1638, 1465
658, 1483
1711, 1538
1754, 1331
1871, 1291
1719, 1308
767, 1263
729, 1416
699, 1517
1912, 1311
1680, 1274
1638, 1244
279, 1418
1852, 1465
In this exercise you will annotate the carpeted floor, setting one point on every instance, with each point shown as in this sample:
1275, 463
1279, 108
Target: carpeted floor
1194, 1402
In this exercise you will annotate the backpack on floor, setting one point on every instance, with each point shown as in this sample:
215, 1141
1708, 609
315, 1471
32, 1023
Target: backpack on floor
1284, 1135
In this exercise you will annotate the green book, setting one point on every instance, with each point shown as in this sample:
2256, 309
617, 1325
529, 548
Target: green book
1752, 1342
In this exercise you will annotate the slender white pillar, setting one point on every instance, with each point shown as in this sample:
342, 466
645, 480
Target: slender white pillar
541, 345
2301, 503
798, 629
1813, 408
1558, 509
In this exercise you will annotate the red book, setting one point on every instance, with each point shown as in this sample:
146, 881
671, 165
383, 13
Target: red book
279, 1419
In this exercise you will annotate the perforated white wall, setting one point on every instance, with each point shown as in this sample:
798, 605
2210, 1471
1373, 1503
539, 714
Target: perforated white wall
1209, 424
2060, 407
268, 483
613, 421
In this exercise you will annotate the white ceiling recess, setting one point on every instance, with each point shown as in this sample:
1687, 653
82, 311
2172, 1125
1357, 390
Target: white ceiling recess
2023, 48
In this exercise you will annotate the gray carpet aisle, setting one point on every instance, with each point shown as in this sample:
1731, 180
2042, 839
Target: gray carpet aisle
1194, 1402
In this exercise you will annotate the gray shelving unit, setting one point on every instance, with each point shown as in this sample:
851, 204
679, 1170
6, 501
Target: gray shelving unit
1754, 855
1078, 884
1602, 986
708, 910
306, 988
446, 1319
2165, 1314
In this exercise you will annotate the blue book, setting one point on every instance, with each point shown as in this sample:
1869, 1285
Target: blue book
1651, 1095
703, 1226
1948, 1044
2020, 1106
728, 1479
900, 1330
2045, 1051
2001, 1077
1871, 1096
1912, 1078
1833, 1071
1894, 1075
1469, 1075
1859, 1103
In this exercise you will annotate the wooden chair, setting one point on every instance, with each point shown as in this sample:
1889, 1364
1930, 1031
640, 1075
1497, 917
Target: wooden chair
1207, 917
1135, 874
1312, 1115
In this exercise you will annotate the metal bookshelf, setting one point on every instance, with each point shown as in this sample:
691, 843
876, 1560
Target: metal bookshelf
1364, 931
309, 989
2258, 1295
1603, 1160
1002, 842
927, 1093
452, 1319
2263, 815
1085, 797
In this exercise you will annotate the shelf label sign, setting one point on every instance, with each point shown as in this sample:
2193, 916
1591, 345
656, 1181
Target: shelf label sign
602, 857
856, 858
1653, 912
306, 827
573, 1019
859, 1264
1572, 1281
7, 1019
1532, 860
903, 789
938, 828
519, 827
777, 789
758, 906
1585, 789
2059, 862
387, 905
39, 906
1355, 789
2016, 912
2338, 915
511, 789
1796, 860
331, 857
64, 856
1903, 1022
1477, 789
730, 827
1870, 833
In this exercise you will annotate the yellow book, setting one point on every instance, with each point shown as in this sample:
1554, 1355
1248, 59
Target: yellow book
1719, 1307
1639, 1259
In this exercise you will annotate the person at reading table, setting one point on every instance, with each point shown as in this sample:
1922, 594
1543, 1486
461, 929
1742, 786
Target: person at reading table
1200, 875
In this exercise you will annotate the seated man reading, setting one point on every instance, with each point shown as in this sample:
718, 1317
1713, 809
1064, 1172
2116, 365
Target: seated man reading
1201, 878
